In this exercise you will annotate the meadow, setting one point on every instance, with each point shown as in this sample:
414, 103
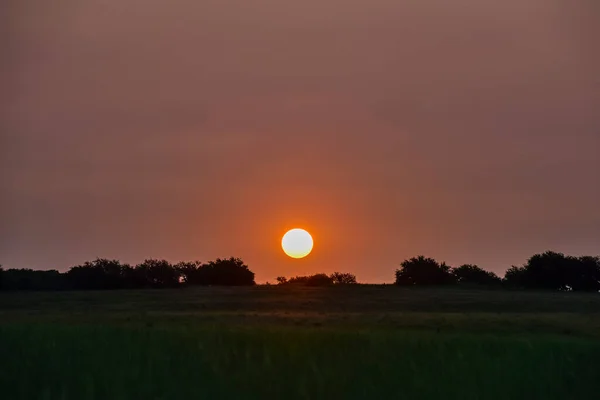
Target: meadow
357, 342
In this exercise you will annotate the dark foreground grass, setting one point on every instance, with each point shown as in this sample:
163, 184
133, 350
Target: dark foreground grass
365, 342
82, 362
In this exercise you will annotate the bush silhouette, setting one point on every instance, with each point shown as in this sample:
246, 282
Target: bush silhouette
472, 274
343, 278
423, 271
295, 280
320, 279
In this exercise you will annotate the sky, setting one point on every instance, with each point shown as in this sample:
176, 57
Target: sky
465, 130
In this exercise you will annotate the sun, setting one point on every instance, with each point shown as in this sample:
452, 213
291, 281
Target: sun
297, 243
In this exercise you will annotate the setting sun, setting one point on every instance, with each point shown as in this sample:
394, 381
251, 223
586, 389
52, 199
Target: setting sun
297, 243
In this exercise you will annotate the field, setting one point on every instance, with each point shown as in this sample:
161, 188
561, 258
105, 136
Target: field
365, 342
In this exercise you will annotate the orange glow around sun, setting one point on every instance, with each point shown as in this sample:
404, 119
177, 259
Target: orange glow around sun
297, 243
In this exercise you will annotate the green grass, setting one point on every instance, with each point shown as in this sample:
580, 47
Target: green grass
358, 343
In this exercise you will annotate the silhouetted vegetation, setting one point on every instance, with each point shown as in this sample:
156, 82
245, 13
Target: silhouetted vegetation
104, 274
158, 274
423, 271
555, 271
474, 275
319, 280
309, 280
547, 271
343, 278
227, 272
337, 278
29, 279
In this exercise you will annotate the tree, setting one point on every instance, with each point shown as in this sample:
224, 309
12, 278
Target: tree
226, 272
111, 274
423, 271
131, 278
189, 271
584, 275
515, 277
158, 273
547, 271
343, 278
472, 274
101, 274
29, 279
281, 280
555, 271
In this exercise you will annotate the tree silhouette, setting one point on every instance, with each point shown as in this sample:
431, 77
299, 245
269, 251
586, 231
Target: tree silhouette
555, 271
158, 273
131, 278
227, 272
549, 271
189, 271
472, 274
281, 280
343, 278
515, 277
101, 274
423, 271
29, 279
112, 274
584, 275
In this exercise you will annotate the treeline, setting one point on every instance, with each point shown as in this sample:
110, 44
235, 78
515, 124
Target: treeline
112, 274
547, 271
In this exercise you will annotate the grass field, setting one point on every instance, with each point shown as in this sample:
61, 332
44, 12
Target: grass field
367, 342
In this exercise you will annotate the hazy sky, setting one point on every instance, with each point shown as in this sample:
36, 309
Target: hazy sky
464, 130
